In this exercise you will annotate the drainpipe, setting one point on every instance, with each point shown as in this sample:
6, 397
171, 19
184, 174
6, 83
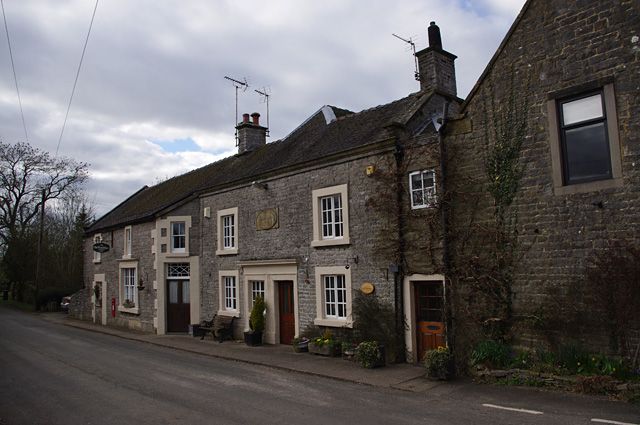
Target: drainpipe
446, 260
398, 275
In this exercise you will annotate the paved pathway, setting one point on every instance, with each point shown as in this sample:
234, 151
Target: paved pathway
400, 376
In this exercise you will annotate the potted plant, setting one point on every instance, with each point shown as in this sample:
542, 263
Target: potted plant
128, 304
370, 354
325, 345
438, 363
253, 336
300, 344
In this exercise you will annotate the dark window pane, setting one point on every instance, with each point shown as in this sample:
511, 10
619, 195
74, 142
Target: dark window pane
587, 153
416, 181
434, 316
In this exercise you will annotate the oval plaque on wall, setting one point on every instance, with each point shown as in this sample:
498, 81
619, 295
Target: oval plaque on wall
367, 288
267, 219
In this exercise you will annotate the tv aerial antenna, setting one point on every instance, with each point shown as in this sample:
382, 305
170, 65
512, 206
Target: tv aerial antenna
411, 43
264, 96
238, 85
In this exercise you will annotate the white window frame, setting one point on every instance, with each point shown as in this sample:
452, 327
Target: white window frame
97, 256
319, 238
224, 247
335, 296
128, 265
183, 235
555, 143
428, 193
256, 292
229, 306
322, 318
128, 242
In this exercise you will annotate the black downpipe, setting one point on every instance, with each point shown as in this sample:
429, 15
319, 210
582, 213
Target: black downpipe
398, 275
444, 210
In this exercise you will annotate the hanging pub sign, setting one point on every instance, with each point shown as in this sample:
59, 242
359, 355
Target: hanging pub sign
101, 247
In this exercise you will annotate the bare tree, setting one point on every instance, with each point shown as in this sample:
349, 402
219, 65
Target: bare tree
27, 177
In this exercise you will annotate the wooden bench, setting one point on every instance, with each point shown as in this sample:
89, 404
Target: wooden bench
220, 327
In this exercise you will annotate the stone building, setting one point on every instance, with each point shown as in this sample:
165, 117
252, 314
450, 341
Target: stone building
565, 83
304, 222
497, 204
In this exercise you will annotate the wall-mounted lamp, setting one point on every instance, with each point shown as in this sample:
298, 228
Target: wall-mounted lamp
260, 185
354, 259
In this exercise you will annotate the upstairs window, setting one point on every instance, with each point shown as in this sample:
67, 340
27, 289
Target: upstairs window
330, 216
227, 231
584, 140
178, 237
422, 185
128, 240
583, 135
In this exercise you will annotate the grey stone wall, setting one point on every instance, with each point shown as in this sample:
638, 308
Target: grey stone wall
372, 225
109, 266
558, 45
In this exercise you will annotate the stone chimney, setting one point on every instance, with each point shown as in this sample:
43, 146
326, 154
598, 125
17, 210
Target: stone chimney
435, 65
251, 135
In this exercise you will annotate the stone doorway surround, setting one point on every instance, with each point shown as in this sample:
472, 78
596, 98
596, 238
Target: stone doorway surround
408, 291
270, 271
105, 303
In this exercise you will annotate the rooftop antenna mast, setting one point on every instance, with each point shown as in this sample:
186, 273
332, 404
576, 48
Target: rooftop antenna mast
265, 96
238, 85
410, 42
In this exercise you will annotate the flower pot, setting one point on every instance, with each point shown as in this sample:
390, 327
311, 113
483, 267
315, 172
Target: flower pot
253, 338
301, 346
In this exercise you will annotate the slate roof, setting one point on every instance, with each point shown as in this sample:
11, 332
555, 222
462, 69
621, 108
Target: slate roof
312, 141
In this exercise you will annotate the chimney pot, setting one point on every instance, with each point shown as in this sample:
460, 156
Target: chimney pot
256, 118
245, 118
434, 36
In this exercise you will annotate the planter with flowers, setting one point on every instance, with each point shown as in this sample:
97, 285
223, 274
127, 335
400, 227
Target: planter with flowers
325, 345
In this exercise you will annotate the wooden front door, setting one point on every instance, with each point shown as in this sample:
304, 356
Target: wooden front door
286, 312
178, 306
430, 331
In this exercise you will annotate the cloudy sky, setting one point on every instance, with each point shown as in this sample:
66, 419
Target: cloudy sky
151, 100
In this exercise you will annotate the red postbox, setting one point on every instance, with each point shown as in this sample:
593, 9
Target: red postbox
113, 307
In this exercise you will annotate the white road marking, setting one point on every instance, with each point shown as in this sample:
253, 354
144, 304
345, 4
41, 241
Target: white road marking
513, 409
606, 421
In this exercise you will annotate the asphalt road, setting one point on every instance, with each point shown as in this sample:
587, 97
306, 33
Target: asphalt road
53, 374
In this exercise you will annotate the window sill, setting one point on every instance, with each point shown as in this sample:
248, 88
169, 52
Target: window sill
229, 313
588, 187
329, 242
177, 254
132, 310
97, 261
335, 323
420, 207
233, 251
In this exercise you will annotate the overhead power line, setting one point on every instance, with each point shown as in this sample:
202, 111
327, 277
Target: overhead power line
13, 67
77, 75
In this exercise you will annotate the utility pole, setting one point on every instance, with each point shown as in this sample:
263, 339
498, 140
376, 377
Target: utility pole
39, 258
